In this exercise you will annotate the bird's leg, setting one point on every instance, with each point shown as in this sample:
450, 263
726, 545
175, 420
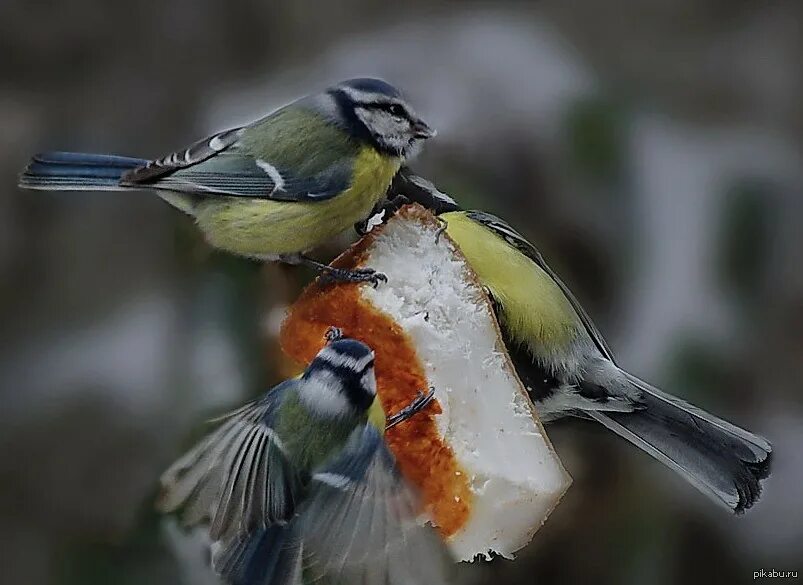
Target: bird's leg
330, 274
419, 403
441, 229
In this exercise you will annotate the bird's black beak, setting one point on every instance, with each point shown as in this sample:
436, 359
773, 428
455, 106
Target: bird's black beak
422, 130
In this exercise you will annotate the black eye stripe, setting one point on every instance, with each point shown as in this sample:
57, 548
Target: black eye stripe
351, 384
367, 367
344, 373
391, 108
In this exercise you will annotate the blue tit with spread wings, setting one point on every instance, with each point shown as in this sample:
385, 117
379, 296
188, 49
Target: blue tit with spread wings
300, 487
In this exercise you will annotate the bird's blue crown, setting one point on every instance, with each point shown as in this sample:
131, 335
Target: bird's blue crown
371, 85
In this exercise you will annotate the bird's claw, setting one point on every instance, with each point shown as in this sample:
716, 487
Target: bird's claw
379, 277
333, 275
419, 403
333, 334
441, 230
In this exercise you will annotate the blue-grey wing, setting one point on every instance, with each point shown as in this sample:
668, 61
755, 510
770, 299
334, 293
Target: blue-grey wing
218, 166
266, 556
359, 523
238, 478
195, 154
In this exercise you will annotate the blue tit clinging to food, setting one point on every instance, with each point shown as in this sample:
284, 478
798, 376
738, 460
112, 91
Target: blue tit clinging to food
568, 368
275, 188
299, 486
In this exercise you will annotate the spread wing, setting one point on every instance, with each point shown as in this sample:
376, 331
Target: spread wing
238, 477
515, 239
357, 527
360, 522
267, 556
271, 159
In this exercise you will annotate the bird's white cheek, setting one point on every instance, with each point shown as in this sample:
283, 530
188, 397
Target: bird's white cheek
322, 394
368, 382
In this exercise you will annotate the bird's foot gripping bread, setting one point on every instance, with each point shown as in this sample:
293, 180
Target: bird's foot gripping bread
478, 455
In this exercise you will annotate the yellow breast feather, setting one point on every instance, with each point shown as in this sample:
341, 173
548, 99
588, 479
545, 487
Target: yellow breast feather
535, 310
262, 228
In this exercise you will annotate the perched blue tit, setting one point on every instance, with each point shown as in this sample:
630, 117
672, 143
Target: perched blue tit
569, 370
273, 189
300, 486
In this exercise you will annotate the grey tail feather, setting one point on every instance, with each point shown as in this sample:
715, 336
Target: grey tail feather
266, 555
77, 171
725, 462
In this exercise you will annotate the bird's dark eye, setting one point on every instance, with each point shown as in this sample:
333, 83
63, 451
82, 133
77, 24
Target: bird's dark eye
396, 110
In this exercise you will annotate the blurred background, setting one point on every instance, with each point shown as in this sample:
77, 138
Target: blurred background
652, 150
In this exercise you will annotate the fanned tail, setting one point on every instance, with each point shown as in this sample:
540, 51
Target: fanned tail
77, 171
725, 462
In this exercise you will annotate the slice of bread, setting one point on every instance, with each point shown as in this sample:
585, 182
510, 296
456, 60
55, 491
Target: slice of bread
485, 469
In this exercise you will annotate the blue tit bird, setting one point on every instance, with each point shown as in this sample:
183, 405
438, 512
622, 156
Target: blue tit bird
300, 486
276, 188
569, 370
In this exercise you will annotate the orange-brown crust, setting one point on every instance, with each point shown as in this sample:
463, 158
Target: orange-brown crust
423, 457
